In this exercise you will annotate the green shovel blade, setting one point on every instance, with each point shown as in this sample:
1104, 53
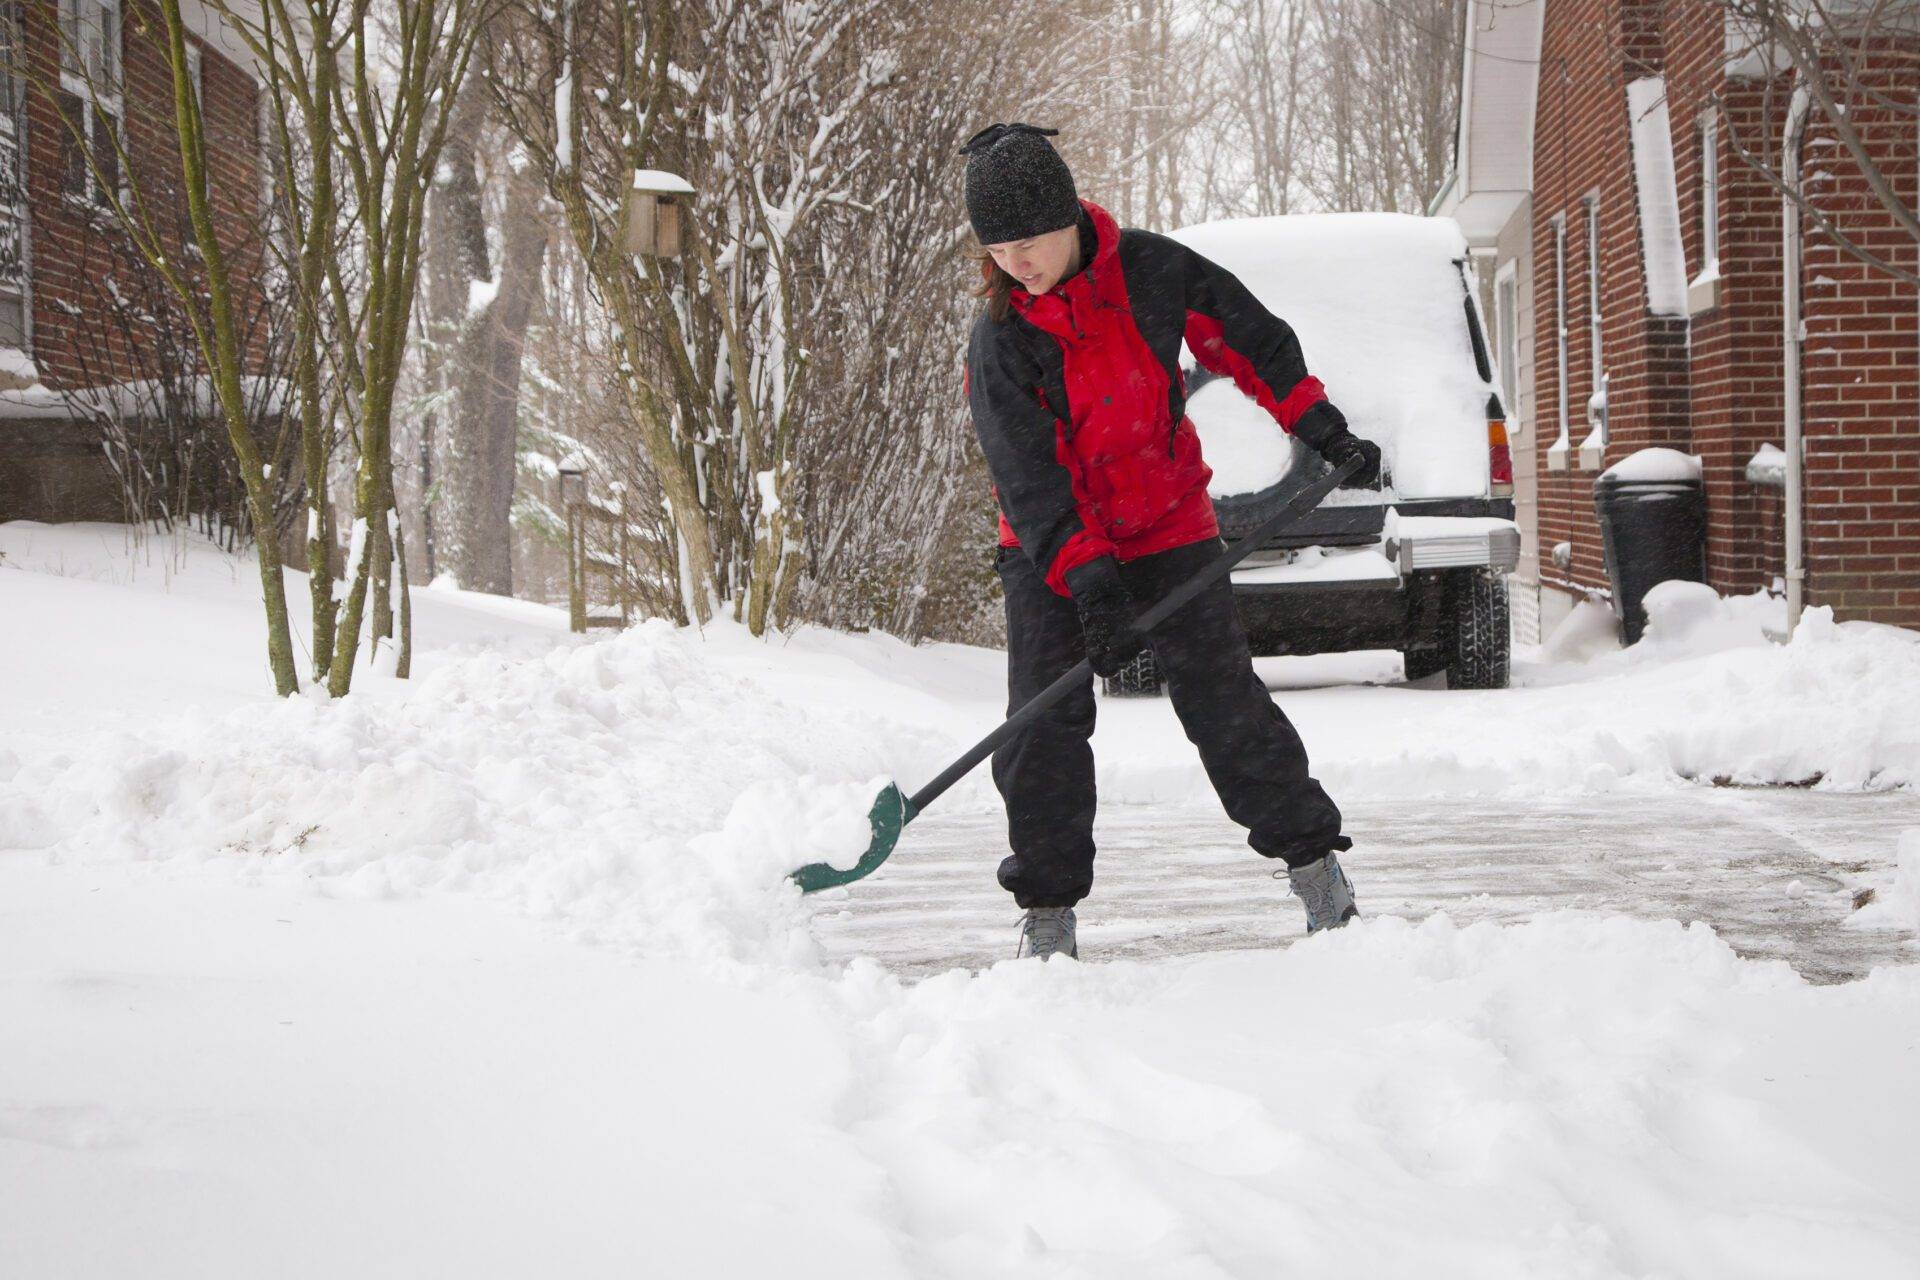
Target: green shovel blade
891, 812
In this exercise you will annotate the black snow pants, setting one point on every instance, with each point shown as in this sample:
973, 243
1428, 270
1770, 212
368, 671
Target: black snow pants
1251, 753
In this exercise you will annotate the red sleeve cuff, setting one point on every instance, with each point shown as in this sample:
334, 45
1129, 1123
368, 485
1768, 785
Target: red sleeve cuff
1081, 547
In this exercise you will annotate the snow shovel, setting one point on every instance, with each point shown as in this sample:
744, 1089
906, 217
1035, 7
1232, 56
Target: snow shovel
892, 810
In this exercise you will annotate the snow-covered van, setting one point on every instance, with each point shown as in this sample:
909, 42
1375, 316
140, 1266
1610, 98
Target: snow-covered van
1387, 322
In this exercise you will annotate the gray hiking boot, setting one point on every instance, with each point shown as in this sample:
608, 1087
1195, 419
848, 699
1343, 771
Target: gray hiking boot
1047, 930
1324, 890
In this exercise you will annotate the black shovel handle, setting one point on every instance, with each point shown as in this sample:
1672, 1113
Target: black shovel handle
1304, 501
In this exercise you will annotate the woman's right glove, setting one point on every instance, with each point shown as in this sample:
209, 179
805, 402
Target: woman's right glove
1106, 615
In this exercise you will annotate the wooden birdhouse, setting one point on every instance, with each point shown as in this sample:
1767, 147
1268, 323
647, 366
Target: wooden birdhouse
653, 219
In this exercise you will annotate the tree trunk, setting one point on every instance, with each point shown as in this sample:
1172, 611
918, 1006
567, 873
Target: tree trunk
457, 259
486, 418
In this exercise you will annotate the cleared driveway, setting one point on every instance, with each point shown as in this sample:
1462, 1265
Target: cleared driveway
1770, 870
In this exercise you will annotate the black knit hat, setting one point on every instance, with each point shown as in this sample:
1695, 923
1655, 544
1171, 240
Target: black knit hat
1017, 184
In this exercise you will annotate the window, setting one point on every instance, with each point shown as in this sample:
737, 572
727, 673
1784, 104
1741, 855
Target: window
1506, 325
89, 97
1709, 202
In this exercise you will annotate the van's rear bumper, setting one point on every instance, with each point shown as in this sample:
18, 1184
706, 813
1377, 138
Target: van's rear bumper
1362, 524
1381, 585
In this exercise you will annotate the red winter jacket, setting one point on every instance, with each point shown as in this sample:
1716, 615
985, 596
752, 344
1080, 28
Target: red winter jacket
1080, 404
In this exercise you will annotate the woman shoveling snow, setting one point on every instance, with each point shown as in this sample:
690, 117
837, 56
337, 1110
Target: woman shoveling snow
1074, 385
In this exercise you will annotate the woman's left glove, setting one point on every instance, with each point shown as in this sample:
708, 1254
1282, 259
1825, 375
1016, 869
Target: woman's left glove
1324, 428
1343, 445
1106, 615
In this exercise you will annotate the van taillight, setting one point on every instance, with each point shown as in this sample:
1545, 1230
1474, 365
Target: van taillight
1499, 458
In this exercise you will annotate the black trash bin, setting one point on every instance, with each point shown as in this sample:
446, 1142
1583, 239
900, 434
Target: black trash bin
1654, 530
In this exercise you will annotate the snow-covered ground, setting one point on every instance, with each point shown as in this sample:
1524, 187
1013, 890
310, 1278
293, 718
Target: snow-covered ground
495, 971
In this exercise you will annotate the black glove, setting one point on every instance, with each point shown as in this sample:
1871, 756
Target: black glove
1325, 429
1342, 445
1106, 615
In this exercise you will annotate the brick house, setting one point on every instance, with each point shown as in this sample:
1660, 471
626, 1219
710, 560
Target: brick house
1632, 264
73, 291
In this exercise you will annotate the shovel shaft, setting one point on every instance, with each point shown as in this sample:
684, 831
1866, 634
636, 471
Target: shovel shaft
1304, 501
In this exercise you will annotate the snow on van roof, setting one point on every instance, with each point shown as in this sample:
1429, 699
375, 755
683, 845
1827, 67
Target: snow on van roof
1378, 305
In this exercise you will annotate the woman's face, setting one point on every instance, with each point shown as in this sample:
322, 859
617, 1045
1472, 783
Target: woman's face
1040, 262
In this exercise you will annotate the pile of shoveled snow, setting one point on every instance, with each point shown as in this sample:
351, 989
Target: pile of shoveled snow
625, 784
1897, 903
1576, 1096
1704, 697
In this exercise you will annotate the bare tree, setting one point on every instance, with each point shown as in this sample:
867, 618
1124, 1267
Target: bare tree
759, 104
1251, 166
1381, 101
361, 109
142, 385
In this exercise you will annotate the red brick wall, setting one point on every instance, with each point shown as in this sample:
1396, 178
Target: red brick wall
77, 250
1862, 364
1589, 50
1736, 368
1715, 387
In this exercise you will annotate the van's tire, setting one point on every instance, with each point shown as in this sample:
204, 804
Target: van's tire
1477, 631
1140, 678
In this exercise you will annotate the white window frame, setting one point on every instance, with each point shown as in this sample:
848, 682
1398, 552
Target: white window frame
1506, 328
91, 69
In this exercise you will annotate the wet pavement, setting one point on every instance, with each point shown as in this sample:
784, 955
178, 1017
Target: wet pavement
1774, 871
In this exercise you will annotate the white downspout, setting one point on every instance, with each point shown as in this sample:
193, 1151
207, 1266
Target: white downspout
1593, 448
1557, 452
1794, 336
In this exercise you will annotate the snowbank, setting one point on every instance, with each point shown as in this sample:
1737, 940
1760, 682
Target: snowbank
627, 785
1897, 905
